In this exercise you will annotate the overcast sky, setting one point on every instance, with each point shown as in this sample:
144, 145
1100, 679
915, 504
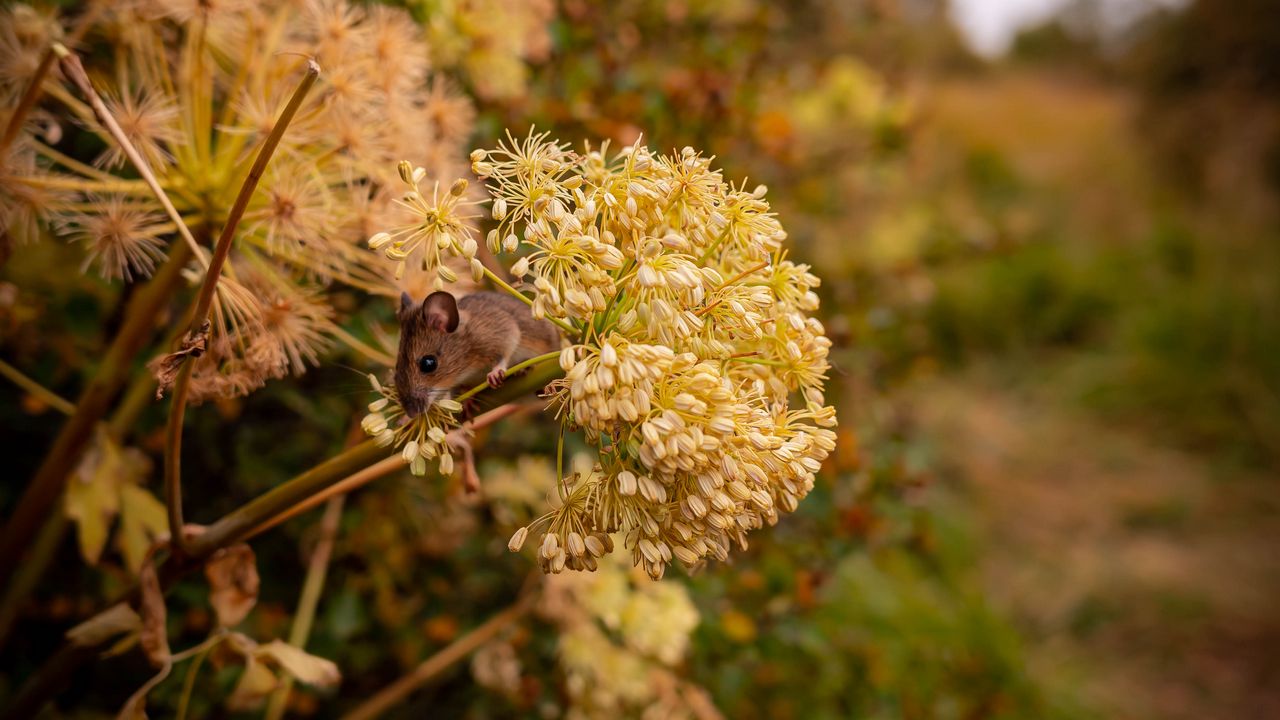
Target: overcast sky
990, 25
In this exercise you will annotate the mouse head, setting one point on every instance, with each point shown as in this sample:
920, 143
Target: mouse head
432, 358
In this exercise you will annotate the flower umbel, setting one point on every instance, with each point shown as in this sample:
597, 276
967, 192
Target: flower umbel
421, 438
693, 365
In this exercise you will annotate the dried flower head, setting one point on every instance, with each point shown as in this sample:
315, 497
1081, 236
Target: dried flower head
122, 236
196, 87
695, 366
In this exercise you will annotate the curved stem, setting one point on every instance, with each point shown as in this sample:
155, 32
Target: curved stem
510, 371
200, 316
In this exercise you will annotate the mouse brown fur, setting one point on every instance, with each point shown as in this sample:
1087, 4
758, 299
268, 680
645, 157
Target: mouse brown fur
471, 339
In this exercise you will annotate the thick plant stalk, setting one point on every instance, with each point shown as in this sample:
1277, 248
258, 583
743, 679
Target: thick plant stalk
373, 472
46, 486
309, 600
200, 317
51, 478
398, 691
235, 527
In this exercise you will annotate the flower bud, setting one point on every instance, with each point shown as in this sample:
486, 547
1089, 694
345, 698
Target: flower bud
517, 539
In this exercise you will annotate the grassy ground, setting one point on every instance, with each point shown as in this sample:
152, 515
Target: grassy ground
1105, 406
1137, 572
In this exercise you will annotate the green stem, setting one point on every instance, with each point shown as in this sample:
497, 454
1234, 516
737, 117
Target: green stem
309, 600
67, 182
573, 332
50, 398
200, 316
189, 682
233, 528
510, 371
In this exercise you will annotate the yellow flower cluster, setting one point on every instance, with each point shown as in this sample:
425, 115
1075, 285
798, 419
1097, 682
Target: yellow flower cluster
696, 335
421, 438
438, 229
619, 637
694, 365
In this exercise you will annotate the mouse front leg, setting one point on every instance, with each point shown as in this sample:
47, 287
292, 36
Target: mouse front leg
498, 374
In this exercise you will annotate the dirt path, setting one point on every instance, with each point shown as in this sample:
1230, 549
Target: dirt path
1137, 574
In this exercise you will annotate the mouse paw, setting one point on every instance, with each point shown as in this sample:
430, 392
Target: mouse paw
497, 376
470, 408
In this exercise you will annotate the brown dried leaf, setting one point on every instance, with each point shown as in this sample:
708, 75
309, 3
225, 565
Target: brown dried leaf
115, 620
166, 367
307, 668
255, 684
155, 638
233, 583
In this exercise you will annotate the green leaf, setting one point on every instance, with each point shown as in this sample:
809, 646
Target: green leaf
142, 520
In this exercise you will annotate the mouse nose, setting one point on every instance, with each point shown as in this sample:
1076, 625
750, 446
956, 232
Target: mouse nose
413, 405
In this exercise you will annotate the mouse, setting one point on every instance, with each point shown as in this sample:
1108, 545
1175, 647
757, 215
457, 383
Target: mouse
450, 344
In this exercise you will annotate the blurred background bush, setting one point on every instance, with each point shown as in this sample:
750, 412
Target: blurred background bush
1051, 274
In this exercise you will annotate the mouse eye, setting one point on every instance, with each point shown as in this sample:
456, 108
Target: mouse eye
427, 363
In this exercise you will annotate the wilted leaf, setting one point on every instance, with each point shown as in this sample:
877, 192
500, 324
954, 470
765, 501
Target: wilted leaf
94, 493
142, 520
302, 665
155, 639
166, 367
233, 583
256, 682
115, 620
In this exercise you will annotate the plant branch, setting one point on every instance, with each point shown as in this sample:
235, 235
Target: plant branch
200, 316
398, 691
235, 527
573, 332
309, 600
373, 472
35, 87
46, 486
510, 371
28, 101
49, 397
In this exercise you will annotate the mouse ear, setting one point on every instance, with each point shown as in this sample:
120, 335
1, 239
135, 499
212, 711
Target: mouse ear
406, 303
441, 310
